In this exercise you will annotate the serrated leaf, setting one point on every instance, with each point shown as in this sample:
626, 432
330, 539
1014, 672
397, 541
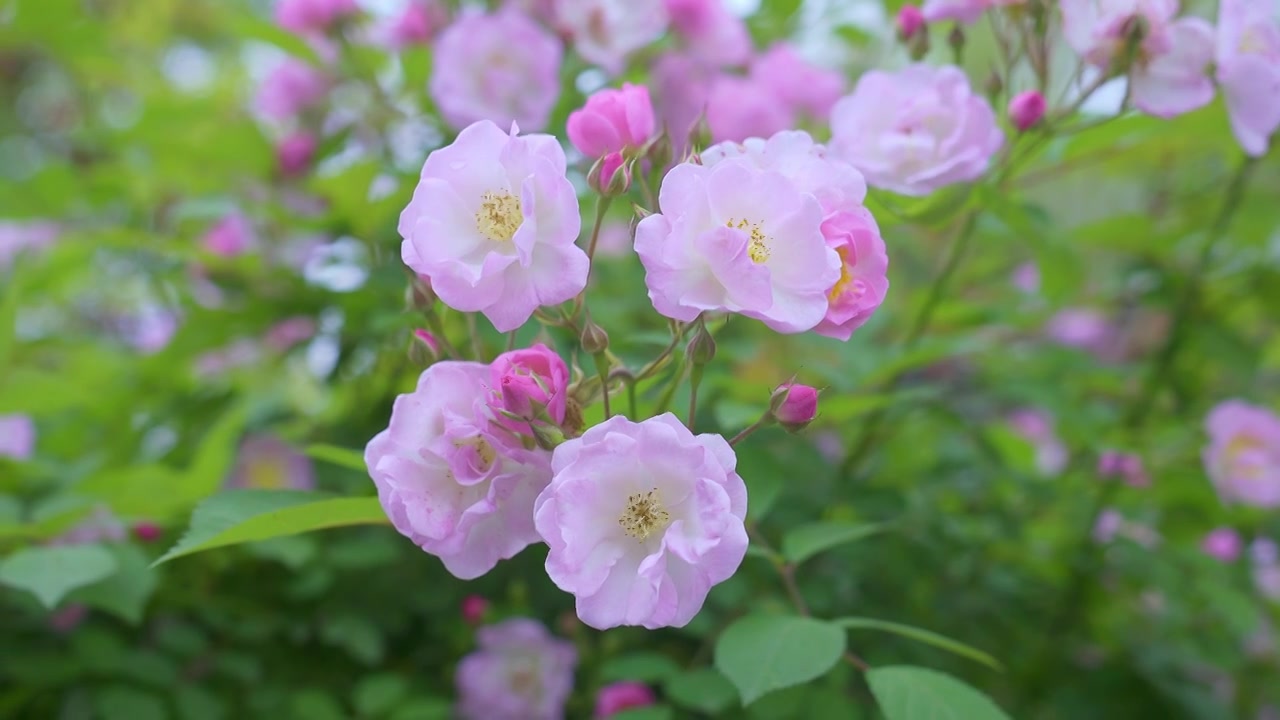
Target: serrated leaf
50, 573
925, 636
760, 653
241, 516
914, 693
806, 541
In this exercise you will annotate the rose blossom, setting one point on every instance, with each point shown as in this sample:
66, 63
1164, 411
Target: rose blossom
740, 107
17, 436
915, 130
612, 121
474, 608
523, 378
1243, 455
307, 17
738, 237
1169, 75
519, 672
493, 223
616, 697
605, 32
805, 88
266, 462
290, 88
452, 480
709, 32
642, 519
1223, 544
416, 24
231, 236
501, 67
1248, 59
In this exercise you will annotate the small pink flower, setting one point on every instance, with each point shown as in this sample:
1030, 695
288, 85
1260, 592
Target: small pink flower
28, 236
1223, 544
519, 672
612, 121
737, 237
493, 223
267, 463
642, 519
289, 332
915, 130
606, 32
1026, 277
709, 32
147, 532
1248, 60
1169, 75
291, 88
1037, 427
1243, 455
794, 405
474, 608
450, 479
294, 154
502, 67
100, 525
308, 17
17, 437
616, 697
231, 236
523, 379
1083, 328
739, 107
800, 85
1026, 109
416, 24
1108, 524
910, 20
1266, 567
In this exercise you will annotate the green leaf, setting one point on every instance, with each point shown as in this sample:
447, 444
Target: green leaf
342, 457
241, 516
806, 541
126, 591
640, 667
914, 693
120, 702
760, 653
650, 712
924, 636
50, 573
703, 689
378, 694
424, 709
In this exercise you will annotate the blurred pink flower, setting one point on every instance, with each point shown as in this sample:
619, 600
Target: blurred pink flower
1083, 328
68, 617
740, 107
1248, 62
803, 87
149, 328
614, 241
681, 87
1266, 567
474, 608
1169, 76
267, 463
909, 21
1026, 277
17, 436
147, 532
294, 154
291, 88
502, 67
100, 525
231, 236
1026, 109
915, 130
1107, 525
612, 121
642, 519
616, 697
1243, 454
606, 32
289, 332
709, 31
308, 17
239, 353
519, 672
963, 11
24, 236
1126, 466
1036, 426
493, 223
416, 24
1223, 544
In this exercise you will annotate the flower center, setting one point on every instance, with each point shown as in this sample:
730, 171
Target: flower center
499, 217
644, 515
484, 451
758, 248
1243, 454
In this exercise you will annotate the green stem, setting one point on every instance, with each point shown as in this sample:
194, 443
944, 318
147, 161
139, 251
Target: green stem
602, 369
695, 379
437, 327
669, 392
764, 421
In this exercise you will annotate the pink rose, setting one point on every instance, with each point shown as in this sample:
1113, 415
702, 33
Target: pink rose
291, 88
535, 376
794, 405
416, 24
1083, 328
501, 67
1248, 58
642, 519
266, 462
741, 107
612, 121
450, 479
306, 17
1169, 75
864, 267
1223, 544
915, 130
1243, 455
800, 85
232, 236
147, 532
1026, 109
493, 223
606, 32
709, 32
738, 238
519, 672
616, 697
17, 436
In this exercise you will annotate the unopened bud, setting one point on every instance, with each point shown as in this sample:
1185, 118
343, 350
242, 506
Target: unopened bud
594, 339
909, 21
1026, 109
474, 608
419, 295
147, 532
424, 349
610, 175
702, 348
548, 437
794, 406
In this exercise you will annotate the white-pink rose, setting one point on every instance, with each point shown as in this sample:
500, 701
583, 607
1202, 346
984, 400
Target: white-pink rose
1248, 58
1243, 455
606, 32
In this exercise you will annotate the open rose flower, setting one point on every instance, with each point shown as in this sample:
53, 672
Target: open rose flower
1248, 59
450, 479
807, 89
519, 672
1243, 455
502, 67
606, 32
1169, 75
915, 130
736, 237
267, 463
493, 224
642, 520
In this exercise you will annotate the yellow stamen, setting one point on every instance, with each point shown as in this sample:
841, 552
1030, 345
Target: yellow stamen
758, 248
644, 515
500, 216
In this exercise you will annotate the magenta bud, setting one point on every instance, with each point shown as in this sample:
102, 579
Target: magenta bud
147, 532
1026, 109
909, 22
794, 406
474, 608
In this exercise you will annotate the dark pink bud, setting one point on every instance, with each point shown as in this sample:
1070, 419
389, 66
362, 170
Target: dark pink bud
613, 699
1223, 544
147, 532
1026, 109
794, 405
294, 154
910, 21
474, 609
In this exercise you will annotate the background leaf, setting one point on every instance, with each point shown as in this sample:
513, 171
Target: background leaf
913, 693
50, 573
806, 541
760, 653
